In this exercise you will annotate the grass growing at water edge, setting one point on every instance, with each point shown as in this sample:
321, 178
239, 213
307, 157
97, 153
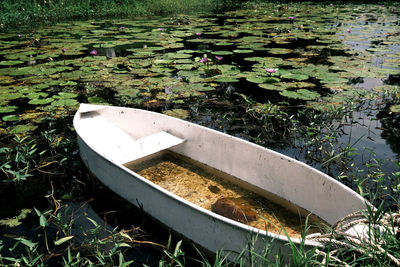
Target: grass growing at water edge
20, 13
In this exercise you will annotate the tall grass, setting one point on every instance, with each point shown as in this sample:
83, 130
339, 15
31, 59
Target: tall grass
21, 13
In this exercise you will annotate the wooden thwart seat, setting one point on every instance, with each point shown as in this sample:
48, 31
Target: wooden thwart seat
115, 144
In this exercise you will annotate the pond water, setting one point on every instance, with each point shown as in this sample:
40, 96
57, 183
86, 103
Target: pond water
316, 82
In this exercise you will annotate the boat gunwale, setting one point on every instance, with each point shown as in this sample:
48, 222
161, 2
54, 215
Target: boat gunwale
226, 220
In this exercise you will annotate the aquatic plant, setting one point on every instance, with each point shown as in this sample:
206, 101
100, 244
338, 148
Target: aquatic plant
271, 70
204, 60
312, 106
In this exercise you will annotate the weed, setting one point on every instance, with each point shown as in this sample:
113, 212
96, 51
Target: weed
176, 257
18, 160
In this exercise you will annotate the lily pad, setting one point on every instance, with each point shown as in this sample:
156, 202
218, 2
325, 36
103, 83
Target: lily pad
333, 80
224, 44
178, 55
10, 118
36, 95
395, 108
222, 53
8, 109
41, 101
96, 100
17, 220
280, 51
297, 77
272, 86
11, 62
256, 79
243, 51
184, 66
177, 113
22, 129
65, 102
302, 94
271, 80
68, 83
65, 95
6, 80
226, 79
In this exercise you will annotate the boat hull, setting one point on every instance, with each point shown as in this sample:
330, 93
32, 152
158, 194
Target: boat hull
205, 231
262, 170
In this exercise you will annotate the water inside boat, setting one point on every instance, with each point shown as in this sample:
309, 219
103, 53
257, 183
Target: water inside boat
218, 192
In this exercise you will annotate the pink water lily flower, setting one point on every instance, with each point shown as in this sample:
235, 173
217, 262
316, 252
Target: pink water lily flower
122, 28
204, 60
292, 18
218, 58
63, 49
349, 30
271, 70
20, 35
161, 29
93, 52
198, 33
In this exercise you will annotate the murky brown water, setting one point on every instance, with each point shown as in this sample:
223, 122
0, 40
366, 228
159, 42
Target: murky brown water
207, 189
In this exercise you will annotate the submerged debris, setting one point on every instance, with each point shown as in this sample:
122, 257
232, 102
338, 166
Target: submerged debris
238, 209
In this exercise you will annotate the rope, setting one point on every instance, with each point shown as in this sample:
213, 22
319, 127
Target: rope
364, 243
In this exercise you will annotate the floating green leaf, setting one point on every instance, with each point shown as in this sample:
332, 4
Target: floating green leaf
178, 113
226, 79
280, 51
333, 80
271, 80
64, 95
8, 109
272, 86
302, 94
11, 62
41, 101
65, 102
222, 53
395, 108
243, 51
256, 79
297, 77
22, 129
36, 95
96, 100
17, 220
10, 118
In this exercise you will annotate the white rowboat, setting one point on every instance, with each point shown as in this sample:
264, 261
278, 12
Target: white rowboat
111, 138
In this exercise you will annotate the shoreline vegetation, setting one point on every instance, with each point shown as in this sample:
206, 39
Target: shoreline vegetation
46, 168
21, 14
28, 14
